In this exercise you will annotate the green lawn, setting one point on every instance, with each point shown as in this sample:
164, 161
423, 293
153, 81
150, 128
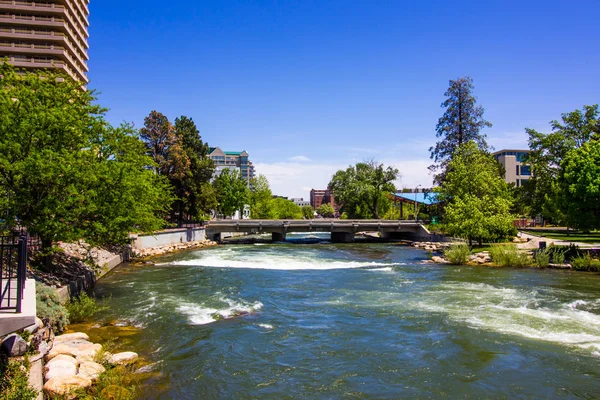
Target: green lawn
572, 236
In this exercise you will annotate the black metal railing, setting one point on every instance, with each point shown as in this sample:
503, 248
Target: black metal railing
13, 270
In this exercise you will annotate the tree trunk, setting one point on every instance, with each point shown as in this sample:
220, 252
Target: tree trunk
470, 242
480, 241
47, 254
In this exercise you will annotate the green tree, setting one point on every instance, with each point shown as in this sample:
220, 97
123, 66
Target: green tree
308, 212
580, 184
362, 189
326, 210
65, 172
286, 209
462, 122
261, 197
196, 196
478, 198
232, 192
547, 153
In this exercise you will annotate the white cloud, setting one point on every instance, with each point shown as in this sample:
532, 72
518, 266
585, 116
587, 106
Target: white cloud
294, 179
299, 158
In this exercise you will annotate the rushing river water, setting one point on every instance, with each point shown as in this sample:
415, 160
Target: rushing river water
356, 321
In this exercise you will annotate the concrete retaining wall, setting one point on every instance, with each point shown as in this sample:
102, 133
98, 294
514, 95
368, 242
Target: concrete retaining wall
170, 237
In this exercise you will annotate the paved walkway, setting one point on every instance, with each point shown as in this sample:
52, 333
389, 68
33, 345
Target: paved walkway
534, 241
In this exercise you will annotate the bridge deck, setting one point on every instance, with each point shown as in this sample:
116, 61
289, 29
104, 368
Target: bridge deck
315, 225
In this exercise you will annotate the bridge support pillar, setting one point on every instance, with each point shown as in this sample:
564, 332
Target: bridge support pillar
278, 237
342, 237
217, 238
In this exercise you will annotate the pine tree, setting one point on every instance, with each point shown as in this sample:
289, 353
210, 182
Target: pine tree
461, 123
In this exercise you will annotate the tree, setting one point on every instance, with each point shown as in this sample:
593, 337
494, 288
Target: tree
232, 192
547, 153
580, 185
196, 196
66, 173
461, 123
286, 209
164, 146
478, 198
326, 210
308, 212
261, 198
362, 189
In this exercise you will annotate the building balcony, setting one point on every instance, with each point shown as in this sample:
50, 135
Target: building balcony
28, 62
57, 10
31, 35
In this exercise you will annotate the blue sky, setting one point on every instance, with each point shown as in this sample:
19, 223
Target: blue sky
309, 87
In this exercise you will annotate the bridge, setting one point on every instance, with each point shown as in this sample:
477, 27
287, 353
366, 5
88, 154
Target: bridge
342, 230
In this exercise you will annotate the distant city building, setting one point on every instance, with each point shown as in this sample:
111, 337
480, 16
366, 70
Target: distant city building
300, 201
232, 160
318, 197
516, 171
46, 35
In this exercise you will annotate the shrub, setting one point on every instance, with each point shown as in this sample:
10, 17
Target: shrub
585, 263
14, 384
49, 307
558, 255
83, 307
542, 258
508, 256
458, 254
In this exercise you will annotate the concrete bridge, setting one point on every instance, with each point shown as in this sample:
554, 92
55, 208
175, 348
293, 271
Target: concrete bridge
342, 230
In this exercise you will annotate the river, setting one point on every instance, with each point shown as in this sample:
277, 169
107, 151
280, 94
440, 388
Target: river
358, 320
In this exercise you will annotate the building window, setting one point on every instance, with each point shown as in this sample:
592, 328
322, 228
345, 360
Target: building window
525, 170
518, 171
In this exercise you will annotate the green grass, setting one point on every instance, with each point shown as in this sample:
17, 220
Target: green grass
83, 307
572, 236
458, 254
509, 256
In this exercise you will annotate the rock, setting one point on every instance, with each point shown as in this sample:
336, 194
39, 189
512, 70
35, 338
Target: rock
439, 260
65, 366
124, 358
69, 337
61, 357
61, 348
61, 386
88, 352
43, 348
91, 370
14, 345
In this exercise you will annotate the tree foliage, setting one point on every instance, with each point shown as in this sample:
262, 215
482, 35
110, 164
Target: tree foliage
308, 212
196, 196
580, 186
326, 210
232, 192
362, 189
477, 197
286, 209
261, 198
547, 152
461, 123
66, 173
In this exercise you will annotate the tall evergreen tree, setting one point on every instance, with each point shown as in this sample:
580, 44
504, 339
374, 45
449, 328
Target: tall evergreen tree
461, 123
196, 196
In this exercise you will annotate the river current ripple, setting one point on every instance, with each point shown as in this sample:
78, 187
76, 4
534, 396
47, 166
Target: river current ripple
294, 320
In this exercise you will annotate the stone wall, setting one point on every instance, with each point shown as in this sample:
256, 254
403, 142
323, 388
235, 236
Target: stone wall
168, 238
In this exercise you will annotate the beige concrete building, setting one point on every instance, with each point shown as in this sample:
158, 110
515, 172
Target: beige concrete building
46, 34
516, 171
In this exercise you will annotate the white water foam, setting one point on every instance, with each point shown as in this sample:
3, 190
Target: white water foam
201, 315
278, 263
518, 312
266, 326
385, 269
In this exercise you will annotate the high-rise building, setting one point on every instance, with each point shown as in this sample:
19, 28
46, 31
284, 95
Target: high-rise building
232, 160
516, 171
46, 34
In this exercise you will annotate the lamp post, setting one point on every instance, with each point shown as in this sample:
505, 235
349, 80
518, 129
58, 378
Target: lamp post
416, 191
